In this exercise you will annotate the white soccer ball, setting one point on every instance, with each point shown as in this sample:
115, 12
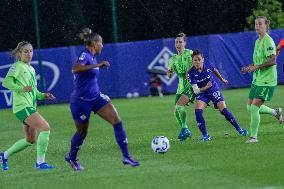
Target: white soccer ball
160, 144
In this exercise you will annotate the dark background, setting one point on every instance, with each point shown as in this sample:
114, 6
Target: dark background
60, 21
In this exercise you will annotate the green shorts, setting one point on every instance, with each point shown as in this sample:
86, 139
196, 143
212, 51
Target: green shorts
189, 93
24, 113
264, 93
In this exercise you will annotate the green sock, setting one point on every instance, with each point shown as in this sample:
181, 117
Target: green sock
42, 143
18, 146
248, 107
178, 119
255, 120
266, 110
182, 115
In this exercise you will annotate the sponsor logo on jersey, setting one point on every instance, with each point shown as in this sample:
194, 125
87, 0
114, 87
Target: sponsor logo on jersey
82, 56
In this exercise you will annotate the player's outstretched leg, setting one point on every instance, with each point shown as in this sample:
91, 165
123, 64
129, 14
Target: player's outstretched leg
274, 112
201, 124
230, 117
122, 142
15, 148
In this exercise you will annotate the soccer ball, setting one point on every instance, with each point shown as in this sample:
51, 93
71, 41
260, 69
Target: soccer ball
160, 144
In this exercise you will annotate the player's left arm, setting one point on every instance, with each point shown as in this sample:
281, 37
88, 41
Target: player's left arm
217, 74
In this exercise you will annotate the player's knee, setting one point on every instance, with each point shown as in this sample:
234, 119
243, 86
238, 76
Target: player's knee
115, 120
31, 140
82, 133
44, 127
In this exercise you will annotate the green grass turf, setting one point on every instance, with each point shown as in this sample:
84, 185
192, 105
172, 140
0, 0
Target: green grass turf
224, 162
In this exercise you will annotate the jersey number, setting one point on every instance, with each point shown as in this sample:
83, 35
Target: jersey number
262, 92
217, 95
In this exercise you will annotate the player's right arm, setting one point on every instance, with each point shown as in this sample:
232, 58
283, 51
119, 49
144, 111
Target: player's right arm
198, 90
9, 81
78, 67
82, 64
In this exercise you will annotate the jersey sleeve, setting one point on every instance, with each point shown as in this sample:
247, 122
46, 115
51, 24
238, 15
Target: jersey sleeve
9, 81
191, 77
39, 95
269, 47
83, 58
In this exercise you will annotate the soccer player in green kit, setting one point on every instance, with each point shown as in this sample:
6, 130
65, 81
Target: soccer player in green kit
264, 77
21, 80
180, 63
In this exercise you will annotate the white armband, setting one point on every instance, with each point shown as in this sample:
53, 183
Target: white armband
196, 89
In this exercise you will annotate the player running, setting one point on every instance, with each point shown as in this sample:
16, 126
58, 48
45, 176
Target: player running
205, 87
21, 80
264, 77
86, 98
180, 64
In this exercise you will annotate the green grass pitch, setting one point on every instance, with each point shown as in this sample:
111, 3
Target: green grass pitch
225, 162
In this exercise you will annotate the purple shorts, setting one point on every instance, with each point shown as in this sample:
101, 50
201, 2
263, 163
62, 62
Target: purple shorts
215, 97
81, 109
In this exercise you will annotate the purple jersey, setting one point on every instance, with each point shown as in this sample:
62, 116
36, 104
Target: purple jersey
202, 78
86, 83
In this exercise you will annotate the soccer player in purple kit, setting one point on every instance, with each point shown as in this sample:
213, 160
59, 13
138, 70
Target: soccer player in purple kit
205, 87
86, 98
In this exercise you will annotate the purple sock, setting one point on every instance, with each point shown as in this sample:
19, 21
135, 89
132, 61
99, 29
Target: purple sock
229, 117
76, 141
201, 122
121, 138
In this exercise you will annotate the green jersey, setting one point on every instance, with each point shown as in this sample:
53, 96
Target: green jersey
180, 64
19, 76
263, 49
